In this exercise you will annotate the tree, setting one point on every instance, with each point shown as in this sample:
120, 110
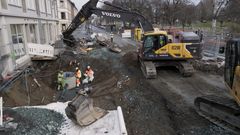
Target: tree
232, 11
173, 10
218, 5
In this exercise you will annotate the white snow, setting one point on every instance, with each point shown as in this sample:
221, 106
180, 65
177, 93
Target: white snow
108, 125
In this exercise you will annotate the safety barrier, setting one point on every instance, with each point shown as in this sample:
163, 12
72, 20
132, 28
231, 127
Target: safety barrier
127, 34
40, 50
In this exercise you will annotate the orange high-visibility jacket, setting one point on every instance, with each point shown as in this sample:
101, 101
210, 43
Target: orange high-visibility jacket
78, 74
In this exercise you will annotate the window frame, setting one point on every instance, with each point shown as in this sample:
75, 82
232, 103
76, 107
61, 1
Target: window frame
65, 17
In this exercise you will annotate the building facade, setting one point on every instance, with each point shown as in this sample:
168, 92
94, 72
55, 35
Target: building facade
23, 22
66, 12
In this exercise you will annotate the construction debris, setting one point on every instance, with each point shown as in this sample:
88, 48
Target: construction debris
102, 41
211, 65
115, 49
35, 80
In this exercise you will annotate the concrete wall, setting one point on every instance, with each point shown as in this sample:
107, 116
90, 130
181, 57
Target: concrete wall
36, 25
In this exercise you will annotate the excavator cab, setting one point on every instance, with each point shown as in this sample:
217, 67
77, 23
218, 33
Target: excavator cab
232, 67
225, 111
153, 42
157, 51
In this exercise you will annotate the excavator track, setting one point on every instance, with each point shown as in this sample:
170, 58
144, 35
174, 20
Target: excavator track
149, 70
185, 68
223, 112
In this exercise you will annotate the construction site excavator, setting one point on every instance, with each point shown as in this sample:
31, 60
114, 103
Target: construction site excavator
156, 49
225, 111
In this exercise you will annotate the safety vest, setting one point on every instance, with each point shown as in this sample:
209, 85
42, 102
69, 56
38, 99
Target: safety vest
78, 74
89, 72
60, 77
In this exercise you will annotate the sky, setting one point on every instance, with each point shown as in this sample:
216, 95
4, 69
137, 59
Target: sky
80, 3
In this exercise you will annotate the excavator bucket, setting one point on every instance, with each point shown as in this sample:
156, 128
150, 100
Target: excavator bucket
81, 111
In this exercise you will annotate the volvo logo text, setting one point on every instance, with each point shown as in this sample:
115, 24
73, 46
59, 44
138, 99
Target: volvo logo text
111, 14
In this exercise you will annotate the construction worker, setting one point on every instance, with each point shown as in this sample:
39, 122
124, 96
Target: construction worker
89, 74
60, 80
64, 91
78, 76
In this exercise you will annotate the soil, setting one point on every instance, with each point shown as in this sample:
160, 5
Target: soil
162, 106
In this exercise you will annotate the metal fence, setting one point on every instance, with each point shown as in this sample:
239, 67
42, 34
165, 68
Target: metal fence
212, 44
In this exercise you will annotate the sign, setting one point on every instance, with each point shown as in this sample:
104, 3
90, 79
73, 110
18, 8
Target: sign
111, 14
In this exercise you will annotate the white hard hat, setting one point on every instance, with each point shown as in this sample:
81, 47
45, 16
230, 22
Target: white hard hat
76, 68
88, 66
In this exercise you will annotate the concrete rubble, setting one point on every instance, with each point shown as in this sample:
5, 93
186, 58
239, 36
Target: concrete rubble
209, 64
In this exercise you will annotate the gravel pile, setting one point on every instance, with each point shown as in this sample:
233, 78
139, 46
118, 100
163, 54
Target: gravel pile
210, 130
34, 121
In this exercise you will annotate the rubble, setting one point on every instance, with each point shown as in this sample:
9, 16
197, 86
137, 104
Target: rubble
210, 65
33, 121
115, 49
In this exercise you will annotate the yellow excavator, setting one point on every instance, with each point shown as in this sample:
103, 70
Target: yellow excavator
157, 51
224, 111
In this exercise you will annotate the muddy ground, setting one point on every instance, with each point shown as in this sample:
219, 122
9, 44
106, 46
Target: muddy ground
162, 106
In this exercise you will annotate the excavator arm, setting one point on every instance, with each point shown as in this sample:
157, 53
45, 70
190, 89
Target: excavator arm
79, 19
125, 15
117, 13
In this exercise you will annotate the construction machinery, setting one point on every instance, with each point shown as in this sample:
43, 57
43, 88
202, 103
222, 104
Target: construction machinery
225, 111
156, 49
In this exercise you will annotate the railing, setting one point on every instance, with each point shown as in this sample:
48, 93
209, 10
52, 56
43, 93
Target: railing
212, 45
40, 50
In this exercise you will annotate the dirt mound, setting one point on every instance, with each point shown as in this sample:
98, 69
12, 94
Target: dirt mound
28, 93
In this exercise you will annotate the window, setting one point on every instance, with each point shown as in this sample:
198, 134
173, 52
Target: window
63, 27
15, 2
43, 34
24, 6
4, 4
62, 3
31, 4
32, 36
230, 62
48, 2
42, 5
17, 34
50, 32
54, 9
63, 15
148, 43
17, 40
